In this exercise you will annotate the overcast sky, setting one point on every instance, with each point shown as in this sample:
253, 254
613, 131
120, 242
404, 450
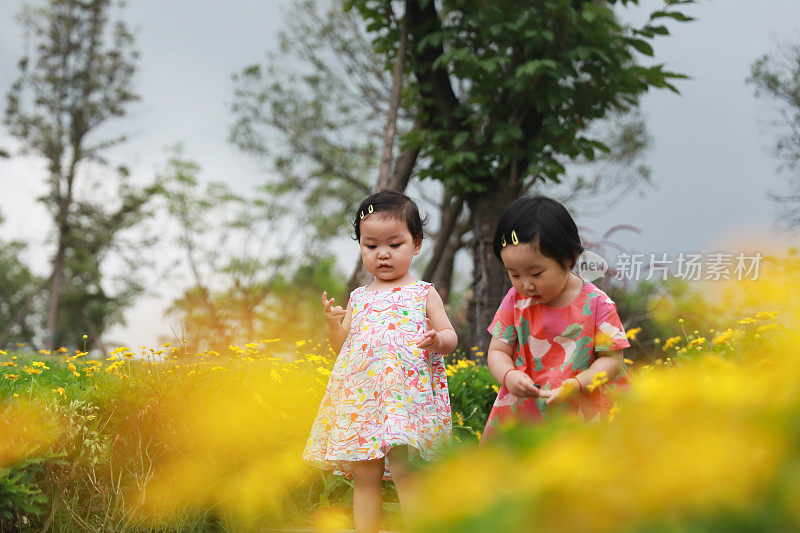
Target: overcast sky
711, 162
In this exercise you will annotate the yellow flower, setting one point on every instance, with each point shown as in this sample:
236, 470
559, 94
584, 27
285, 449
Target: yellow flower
746, 321
631, 334
85, 337
3, 353
495, 388
60, 391
12, 377
672, 341
479, 354
697, 342
39, 364
727, 337
44, 352
598, 380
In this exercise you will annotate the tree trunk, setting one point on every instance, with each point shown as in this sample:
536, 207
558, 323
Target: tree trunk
405, 163
442, 277
384, 172
489, 276
57, 279
448, 217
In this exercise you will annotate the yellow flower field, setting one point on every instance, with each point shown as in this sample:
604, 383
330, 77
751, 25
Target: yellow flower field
705, 438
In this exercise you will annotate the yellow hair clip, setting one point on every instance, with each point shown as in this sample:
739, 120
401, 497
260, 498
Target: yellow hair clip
514, 239
370, 208
504, 241
362, 215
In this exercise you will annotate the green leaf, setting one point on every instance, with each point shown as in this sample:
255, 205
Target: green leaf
460, 139
532, 68
642, 46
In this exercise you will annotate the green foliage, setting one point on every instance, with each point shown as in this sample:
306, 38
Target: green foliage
249, 278
22, 501
313, 112
472, 393
18, 288
77, 78
517, 83
777, 77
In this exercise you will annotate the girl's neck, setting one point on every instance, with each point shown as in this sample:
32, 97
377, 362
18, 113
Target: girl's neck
379, 284
572, 290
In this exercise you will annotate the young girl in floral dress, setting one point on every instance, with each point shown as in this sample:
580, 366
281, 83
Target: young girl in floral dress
387, 395
553, 332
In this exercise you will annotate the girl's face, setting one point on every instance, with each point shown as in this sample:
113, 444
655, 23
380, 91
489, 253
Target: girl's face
533, 275
387, 247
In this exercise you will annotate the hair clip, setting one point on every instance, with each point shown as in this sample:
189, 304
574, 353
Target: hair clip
504, 241
514, 239
362, 215
370, 208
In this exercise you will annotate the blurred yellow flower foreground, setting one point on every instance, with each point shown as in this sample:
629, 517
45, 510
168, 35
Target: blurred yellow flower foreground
709, 443
706, 440
236, 429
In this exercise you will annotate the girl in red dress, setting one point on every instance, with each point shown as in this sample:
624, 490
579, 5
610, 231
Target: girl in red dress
553, 332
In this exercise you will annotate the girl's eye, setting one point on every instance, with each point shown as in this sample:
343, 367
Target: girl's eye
537, 275
513, 276
371, 246
395, 245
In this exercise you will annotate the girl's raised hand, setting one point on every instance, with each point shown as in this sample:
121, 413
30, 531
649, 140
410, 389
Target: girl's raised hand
520, 384
430, 338
332, 314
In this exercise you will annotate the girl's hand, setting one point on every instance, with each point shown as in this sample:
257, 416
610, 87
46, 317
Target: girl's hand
430, 339
520, 384
568, 389
333, 315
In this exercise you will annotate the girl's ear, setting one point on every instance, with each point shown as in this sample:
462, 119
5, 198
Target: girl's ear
574, 262
417, 247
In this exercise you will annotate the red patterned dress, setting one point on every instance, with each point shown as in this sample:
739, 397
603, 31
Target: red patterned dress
553, 344
383, 391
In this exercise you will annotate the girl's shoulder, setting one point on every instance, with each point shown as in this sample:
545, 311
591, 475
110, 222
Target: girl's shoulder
592, 291
594, 300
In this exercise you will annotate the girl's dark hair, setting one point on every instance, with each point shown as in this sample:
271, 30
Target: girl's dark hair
391, 204
542, 221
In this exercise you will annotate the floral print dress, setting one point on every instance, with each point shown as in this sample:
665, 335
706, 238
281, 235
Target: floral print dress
553, 344
383, 391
